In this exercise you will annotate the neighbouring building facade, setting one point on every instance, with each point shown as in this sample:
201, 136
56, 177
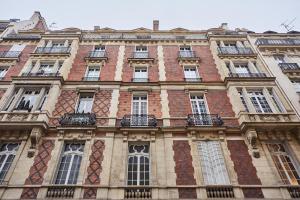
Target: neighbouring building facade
148, 114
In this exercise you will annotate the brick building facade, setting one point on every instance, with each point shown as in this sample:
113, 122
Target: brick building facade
148, 114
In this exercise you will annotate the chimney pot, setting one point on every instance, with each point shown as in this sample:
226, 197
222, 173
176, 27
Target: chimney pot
155, 25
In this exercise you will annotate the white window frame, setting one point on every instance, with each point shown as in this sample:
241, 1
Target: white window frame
196, 71
139, 95
253, 91
93, 67
140, 48
278, 59
141, 67
204, 100
7, 153
4, 72
78, 101
185, 48
140, 121
276, 100
32, 90
99, 48
241, 68
58, 44
49, 66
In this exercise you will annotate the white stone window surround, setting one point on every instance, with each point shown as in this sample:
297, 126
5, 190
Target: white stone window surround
93, 71
198, 103
141, 48
188, 73
17, 94
234, 66
56, 43
34, 66
3, 70
7, 156
140, 72
99, 48
85, 102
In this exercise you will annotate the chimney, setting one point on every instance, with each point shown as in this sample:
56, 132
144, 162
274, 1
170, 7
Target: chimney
96, 28
155, 25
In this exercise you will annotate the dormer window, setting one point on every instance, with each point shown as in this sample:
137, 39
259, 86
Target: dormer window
58, 44
3, 70
141, 49
99, 48
185, 48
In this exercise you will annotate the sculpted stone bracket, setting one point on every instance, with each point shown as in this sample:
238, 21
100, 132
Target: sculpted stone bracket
75, 135
139, 136
251, 137
196, 135
35, 137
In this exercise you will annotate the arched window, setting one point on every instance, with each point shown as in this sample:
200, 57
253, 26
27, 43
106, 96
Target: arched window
7, 154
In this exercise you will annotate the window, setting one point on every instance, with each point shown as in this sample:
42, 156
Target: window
99, 48
43, 100
241, 68
275, 101
3, 70
139, 110
141, 52
259, 102
190, 73
138, 172
284, 163
141, 49
140, 74
69, 165
28, 100
199, 110
279, 58
212, 163
243, 100
17, 47
7, 154
93, 73
46, 68
185, 48
58, 44
85, 103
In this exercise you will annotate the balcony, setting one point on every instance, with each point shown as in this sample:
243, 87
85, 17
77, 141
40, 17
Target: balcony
61, 192
294, 191
97, 55
193, 79
140, 57
10, 55
78, 119
41, 74
138, 193
188, 56
235, 51
52, 50
247, 75
277, 42
139, 121
140, 80
204, 120
87, 78
289, 66
219, 191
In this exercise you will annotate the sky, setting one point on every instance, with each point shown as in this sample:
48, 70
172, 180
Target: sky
255, 15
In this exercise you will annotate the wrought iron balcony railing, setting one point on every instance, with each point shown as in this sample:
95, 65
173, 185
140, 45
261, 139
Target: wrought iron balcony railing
187, 54
87, 78
138, 193
60, 192
289, 66
78, 119
204, 120
140, 80
42, 74
140, 55
10, 54
193, 79
97, 54
53, 50
294, 191
219, 191
278, 42
243, 75
235, 51
139, 121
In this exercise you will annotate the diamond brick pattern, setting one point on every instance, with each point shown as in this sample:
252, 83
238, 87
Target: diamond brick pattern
66, 103
38, 169
94, 169
102, 103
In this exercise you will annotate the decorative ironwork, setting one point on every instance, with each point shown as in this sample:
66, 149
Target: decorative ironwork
60, 192
140, 55
54, 50
235, 51
204, 120
140, 80
294, 191
252, 75
10, 54
78, 119
289, 66
193, 79
97, 54
187, 54
219, 192
138, 193
278, 42
21, 37
90, 78
139, 120
41, 73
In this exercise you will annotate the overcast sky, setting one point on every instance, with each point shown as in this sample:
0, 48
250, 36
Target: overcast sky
256, 15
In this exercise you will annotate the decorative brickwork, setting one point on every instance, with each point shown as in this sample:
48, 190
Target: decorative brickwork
244, 168
2, 91
38, 169
94, 169
174, 71
102, 103
184, 168
5, 47
16, 69
107, 72
66, 103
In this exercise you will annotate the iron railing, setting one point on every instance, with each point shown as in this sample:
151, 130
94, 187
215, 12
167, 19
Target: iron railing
78, 119
289, 66
21, 37
235, 51
139, 121
140, 80
219, 191
140, 55
277, 42
10, 54
97, 54
60, 192
87, 78
43, 74
187, 54
53, 50
252, 75
193, 79
138, 193
204, 120
294, 192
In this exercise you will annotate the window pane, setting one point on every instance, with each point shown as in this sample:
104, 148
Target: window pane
7, 155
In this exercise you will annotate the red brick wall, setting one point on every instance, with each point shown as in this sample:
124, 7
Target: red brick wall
128, 69
101, 105
244, 168
79, 65
125, 99
174, 71
184, 168
5, 47
16, 69
107, 72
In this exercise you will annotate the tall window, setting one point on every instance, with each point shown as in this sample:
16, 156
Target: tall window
243, 100
3, 70
139, 110
28, 100
190, 73
259, 101
138, 164
275, 100
7, 154
199, 110
141, 52
140, 74
285, 164
241, 68
58, 44
279, 58
69, 165
212, 163
93, 73
85, 103
46, 68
